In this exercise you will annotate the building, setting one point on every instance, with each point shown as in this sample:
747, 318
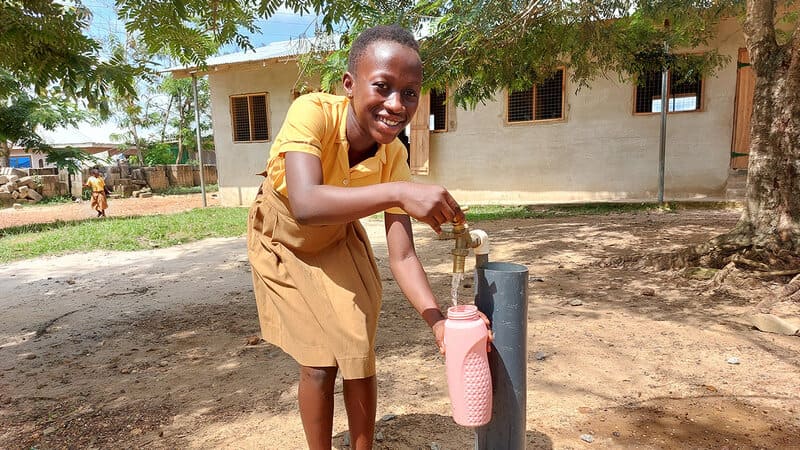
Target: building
546, 144
92, 139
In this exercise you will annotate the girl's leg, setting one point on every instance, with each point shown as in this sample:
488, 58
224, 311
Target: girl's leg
315, 398
360, 399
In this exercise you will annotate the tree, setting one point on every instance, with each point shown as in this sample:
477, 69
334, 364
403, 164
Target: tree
477, 48
180, 93
70, 158
43, 45
771, 218
22, 116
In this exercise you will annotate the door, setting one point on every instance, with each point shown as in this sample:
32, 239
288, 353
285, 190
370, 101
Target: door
420, 138
742, 110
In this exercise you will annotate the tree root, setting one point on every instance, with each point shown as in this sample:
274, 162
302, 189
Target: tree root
791, 292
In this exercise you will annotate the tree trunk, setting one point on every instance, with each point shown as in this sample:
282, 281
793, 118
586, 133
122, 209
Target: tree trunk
771, 218
180, 130
767, 236
5, 154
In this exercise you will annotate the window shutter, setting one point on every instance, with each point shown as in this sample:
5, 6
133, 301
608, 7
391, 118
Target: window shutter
420, 137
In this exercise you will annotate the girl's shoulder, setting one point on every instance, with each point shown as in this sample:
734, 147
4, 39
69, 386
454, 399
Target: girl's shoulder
321, 99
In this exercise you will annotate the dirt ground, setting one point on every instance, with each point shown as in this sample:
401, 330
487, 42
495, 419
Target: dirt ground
158, 204
149, 349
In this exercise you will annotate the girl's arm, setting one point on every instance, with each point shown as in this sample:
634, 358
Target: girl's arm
314, 203
410, 275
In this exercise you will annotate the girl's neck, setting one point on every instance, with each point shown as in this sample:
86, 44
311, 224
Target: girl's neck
354, 156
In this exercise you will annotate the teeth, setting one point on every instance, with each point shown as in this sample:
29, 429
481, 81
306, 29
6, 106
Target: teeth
391, 123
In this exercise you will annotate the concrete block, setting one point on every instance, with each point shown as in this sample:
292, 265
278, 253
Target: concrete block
33, 195
180, 175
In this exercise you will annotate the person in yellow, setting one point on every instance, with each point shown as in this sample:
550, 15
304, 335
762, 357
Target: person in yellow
335, 160
98, 186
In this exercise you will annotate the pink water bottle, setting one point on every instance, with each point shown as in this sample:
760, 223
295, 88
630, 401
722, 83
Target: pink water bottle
468, 378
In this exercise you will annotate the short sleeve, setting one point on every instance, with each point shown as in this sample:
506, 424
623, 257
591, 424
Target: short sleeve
303, 128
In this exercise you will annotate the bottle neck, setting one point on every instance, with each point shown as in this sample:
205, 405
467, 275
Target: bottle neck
462, 312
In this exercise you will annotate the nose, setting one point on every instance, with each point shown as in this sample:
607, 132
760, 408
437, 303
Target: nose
394, 102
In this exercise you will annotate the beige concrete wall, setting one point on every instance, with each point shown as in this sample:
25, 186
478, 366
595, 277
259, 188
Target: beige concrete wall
239, 163
601, 151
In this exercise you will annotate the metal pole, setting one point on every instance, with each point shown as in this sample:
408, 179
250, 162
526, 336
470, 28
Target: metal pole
664, 106
199, 144
501, 292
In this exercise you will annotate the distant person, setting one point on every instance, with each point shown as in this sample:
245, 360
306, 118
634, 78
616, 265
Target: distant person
98, 186
335, 160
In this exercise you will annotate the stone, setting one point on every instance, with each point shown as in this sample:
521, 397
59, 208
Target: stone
27, 181
33, 195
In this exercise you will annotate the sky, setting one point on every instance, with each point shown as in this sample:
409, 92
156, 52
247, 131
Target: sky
282, 26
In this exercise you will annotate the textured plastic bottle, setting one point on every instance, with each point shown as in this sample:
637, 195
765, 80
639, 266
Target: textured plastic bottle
469, 381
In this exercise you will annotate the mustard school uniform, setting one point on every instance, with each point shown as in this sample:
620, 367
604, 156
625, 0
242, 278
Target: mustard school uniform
317, 287
97, 185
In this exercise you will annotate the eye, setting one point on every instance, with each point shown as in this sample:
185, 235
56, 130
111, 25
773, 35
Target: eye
410, 93
379, 84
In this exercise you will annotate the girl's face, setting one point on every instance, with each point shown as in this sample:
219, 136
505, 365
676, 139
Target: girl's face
384, 94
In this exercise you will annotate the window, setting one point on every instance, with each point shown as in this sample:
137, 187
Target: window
684, 92
438, 110
249, 118
544, 101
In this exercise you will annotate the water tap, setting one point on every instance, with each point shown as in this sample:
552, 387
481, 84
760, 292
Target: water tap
467, 239
462, 246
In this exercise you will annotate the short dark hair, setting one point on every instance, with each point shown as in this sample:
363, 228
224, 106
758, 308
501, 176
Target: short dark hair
380, 33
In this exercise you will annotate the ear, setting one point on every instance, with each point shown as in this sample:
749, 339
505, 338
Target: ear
347, 82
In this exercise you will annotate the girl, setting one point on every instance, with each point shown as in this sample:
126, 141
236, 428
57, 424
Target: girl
98, 186
336, 159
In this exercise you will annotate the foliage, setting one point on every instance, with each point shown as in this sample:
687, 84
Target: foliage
477, 48
22, 115
192, 30
181, 121
158, 153
123, 233
183, 190
473, 46
70, 158
43, 45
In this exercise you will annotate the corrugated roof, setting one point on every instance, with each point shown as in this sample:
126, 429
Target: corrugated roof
274, 50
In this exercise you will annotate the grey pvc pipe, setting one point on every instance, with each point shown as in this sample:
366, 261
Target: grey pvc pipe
501, 292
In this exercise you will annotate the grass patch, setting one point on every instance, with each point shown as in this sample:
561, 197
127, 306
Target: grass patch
180, 190
120, 233
478, 213
496, 212
55, 200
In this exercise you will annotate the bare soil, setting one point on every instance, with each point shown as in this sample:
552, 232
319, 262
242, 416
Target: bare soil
121, 207
156, 348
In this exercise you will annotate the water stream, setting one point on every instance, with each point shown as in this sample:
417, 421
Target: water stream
454, 285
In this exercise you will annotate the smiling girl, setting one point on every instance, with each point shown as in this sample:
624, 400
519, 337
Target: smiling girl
335, 160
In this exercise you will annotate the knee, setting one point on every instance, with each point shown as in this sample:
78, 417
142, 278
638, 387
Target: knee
321, 377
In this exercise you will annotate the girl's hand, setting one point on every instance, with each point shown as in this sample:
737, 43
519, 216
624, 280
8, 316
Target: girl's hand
438, 333
431, 204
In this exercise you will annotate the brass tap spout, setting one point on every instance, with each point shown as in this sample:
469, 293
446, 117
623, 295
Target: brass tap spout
463, 244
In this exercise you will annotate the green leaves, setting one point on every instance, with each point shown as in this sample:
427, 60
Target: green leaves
43, 45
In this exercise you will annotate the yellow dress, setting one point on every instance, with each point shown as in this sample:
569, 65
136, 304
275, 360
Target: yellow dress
97, 185
317, 287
